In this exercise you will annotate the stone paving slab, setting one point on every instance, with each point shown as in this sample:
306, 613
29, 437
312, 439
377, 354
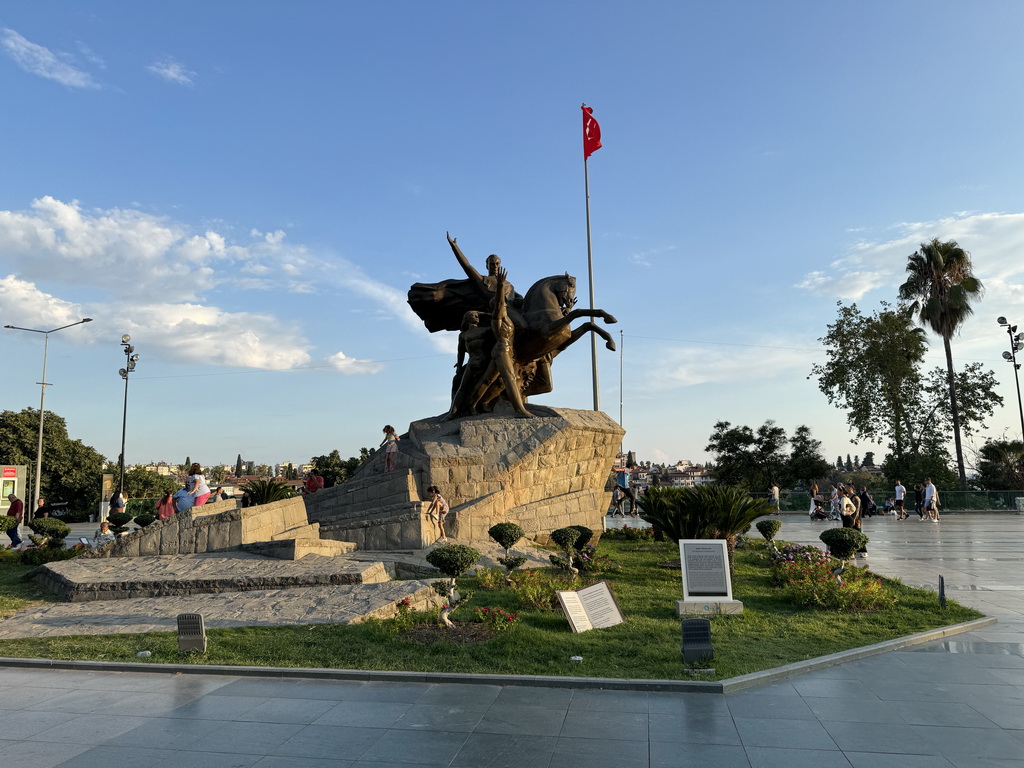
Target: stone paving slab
344, 604
82, 580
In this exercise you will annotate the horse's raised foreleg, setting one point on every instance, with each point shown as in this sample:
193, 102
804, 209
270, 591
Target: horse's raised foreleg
578, 333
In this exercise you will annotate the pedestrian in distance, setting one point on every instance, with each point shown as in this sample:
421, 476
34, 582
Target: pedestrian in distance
391, 442
776, 504
17, 511
931, 501
901, 493
919, 500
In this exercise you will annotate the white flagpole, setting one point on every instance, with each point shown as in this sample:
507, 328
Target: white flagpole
590, 270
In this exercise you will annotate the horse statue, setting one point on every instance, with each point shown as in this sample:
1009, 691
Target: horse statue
506, 337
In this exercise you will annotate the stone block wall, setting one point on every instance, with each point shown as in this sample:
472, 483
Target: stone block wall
542, 473
209, 529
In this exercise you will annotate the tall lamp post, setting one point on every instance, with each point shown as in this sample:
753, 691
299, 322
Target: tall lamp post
30, 513
131, 358
1016, 345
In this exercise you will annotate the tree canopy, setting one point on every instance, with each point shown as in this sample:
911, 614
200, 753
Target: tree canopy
1000, 465
756, 460
336, 470
941, 283
876, 373
71, 469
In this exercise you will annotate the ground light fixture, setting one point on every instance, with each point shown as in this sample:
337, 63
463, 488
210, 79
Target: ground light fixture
31, 508
1016, 345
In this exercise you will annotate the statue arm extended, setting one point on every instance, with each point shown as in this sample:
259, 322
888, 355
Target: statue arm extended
470, 271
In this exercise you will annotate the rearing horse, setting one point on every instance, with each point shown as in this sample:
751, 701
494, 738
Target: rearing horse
548, 313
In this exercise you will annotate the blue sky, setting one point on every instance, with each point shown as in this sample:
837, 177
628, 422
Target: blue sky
249, 189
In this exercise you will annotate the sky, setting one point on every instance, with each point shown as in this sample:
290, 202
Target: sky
249, 189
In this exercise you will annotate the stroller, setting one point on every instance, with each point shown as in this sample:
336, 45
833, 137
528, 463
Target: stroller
818, 513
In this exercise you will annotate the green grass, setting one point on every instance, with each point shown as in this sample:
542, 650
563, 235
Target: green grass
770, 632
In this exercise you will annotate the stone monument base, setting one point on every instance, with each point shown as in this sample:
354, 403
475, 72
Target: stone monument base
542, 473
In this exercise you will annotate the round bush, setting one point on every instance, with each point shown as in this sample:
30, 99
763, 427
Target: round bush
119, 519
55, 530
769, 528
512, 561
506, 534
144, 520
7, 522
843, 543
586, 534
566, 538
453, 560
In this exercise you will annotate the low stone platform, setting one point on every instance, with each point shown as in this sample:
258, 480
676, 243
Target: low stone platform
345, 604
89, 579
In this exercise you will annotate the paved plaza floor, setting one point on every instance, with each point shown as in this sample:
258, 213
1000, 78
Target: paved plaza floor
956, 702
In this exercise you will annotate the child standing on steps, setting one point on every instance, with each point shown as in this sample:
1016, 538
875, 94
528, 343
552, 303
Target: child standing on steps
438, 511
391, 440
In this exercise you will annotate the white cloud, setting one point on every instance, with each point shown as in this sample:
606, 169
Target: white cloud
37, 60
698, 364
172, 71
150, 275
343, 364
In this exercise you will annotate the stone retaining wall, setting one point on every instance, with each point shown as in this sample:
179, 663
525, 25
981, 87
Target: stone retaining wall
214, 528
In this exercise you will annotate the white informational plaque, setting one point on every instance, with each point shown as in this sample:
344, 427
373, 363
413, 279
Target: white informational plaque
705, 570
593, 607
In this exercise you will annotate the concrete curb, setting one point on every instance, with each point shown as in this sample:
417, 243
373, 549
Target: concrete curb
582, 683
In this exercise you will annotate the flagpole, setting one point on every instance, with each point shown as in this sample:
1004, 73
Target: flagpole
590, 271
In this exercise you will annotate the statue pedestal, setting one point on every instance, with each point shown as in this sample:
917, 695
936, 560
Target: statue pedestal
542, 473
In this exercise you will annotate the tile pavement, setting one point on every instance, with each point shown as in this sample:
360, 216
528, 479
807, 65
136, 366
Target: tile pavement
957, 702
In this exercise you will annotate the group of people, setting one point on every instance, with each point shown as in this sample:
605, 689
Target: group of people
926, 501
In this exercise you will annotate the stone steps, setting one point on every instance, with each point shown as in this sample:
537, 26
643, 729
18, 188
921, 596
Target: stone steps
342, 604
296, 549
87, 580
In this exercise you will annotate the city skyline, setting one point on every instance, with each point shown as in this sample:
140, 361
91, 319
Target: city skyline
249, 193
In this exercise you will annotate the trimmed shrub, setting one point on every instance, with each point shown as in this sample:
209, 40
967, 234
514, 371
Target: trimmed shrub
7, 522
586, 534
267, 491
506, 535
769, 528
512, 562
119, 521
453, 560
566, 538
55, 531
143, 520
843, 543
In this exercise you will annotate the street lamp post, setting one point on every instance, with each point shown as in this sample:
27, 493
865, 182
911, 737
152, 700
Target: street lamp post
30, 513
131, 359
1016, 345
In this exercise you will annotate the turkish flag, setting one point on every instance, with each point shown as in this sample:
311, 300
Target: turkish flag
591, 133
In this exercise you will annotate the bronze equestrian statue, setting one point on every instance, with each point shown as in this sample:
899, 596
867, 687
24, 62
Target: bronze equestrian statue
506, 341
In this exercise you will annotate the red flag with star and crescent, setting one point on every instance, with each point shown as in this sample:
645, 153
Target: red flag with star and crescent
591, 133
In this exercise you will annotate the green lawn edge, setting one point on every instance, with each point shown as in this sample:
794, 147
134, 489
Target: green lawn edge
770, 633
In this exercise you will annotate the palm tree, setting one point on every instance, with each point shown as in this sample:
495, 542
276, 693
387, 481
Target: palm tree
942, 287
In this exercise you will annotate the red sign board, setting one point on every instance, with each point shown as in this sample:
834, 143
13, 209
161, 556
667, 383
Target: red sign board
10, 472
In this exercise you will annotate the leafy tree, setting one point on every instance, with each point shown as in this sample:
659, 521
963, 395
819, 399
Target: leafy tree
856, 462
238, 466
849, 464
140, 483
1000, 465
71, 469
869, 459
336, 470
267, 491
942, 286
839, 464
806, 462
743, 457
898, 402
217, 474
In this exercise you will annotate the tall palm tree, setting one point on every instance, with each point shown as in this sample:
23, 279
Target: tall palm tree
942, 286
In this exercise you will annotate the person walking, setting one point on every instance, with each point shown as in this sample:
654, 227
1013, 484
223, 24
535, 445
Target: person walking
17, 511
901, 494
775, 499
931, 501
919, 501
